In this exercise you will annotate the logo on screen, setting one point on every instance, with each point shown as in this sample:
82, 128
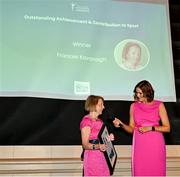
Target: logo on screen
79, 8
81, 88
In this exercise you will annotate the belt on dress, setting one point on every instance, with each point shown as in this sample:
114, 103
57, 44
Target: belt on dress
94, 141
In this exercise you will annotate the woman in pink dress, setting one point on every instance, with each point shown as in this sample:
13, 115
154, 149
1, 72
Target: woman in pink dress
148, 147
94, 162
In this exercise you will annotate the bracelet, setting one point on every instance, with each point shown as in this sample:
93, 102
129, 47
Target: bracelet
153, 128
93, 147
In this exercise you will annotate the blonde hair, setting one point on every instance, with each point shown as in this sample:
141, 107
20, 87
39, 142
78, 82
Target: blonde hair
91, 102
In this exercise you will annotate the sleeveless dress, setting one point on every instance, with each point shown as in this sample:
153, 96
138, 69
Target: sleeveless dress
148, 150
94, 162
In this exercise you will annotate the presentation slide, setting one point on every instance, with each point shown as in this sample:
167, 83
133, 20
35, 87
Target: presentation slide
68, 49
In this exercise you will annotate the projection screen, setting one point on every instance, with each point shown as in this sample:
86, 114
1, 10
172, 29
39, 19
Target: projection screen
68, 49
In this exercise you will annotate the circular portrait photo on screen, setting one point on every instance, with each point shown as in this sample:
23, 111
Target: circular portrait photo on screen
131, 55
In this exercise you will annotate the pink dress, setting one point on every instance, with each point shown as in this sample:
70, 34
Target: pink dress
94, 161
148, 150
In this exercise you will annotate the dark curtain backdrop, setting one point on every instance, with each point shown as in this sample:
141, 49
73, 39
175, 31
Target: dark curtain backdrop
40, 121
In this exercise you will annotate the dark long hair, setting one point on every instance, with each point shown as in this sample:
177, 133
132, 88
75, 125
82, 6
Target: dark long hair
147, 90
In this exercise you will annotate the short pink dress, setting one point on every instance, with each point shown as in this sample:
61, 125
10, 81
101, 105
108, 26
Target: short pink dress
148, 150
94, 162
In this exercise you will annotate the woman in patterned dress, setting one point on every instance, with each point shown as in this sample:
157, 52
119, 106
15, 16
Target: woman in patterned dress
94, 162
148, 121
